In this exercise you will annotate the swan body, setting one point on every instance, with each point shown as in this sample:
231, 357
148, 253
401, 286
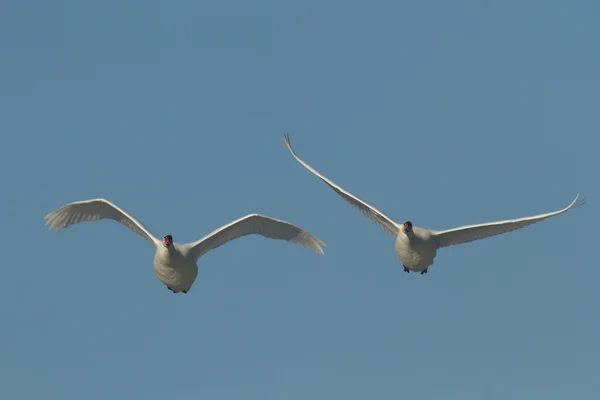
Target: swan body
175, 264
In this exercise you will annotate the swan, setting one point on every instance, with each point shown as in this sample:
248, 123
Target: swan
417, 247
175, 264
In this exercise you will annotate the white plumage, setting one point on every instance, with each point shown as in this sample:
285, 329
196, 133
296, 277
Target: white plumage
175, 264
417, 247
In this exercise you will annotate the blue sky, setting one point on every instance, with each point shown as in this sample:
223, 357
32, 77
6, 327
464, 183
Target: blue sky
445, 113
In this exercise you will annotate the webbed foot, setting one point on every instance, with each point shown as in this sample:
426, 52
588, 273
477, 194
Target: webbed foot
405, 269
424, 271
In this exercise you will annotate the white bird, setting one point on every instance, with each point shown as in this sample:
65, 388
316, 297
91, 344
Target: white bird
417, 247
175, 264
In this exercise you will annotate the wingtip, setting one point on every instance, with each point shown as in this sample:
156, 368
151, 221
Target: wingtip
578, 202
315, 244
321, 251
286, 141
48, 222
48, 216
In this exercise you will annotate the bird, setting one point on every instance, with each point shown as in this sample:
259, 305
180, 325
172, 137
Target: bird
175, 264
417, 247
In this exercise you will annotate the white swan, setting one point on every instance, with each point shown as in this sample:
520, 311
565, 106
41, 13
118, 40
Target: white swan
417, 247
175, 264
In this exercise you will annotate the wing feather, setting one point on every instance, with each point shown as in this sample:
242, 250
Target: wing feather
373, 213
256, 224
469, 233
95, 210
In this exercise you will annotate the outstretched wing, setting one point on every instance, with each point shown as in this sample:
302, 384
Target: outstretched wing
374, 214
95, 210
255, 224
469, 233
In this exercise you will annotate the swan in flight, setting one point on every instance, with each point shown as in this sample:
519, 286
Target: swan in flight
417, 247
175, 264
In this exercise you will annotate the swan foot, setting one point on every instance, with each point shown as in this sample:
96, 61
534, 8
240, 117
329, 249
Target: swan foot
424, 271
171, 289
405, 269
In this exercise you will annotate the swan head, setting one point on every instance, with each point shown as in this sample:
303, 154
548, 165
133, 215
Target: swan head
407, 227
168, 240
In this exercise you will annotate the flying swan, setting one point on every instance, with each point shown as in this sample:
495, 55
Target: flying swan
417, 247
175, 264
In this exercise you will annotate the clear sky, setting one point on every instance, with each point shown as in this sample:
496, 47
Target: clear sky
444, 113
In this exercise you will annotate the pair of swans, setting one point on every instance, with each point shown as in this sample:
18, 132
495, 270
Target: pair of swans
176, 265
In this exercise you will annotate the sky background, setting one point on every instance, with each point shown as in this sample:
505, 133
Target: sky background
444, 113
